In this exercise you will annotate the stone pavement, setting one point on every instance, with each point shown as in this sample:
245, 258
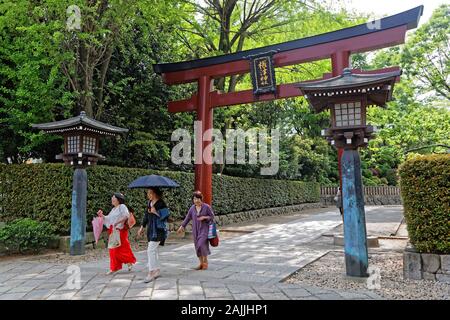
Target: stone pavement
381, 223
248, 267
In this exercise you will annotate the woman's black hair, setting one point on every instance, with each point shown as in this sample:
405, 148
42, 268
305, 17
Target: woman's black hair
197, 194
120, 197
157, 191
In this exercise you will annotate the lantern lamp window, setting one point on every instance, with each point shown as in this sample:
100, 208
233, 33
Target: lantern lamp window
89, 144
73, 143
348, 114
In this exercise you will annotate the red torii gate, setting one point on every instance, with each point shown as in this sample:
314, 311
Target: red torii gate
337, 46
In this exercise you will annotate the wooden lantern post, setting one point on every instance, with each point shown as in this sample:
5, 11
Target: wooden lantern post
81, 143
347, 97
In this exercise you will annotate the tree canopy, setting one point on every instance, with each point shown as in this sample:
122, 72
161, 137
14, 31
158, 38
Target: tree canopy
49, 72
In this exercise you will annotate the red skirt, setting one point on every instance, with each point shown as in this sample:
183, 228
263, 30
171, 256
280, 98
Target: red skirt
122, 254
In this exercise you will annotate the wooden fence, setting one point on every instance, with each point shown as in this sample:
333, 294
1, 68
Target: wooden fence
368, 191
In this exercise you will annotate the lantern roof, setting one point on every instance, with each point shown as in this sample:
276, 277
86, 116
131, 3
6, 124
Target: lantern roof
377, 87
80, 123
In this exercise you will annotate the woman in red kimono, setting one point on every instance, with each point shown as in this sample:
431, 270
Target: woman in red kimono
117, 219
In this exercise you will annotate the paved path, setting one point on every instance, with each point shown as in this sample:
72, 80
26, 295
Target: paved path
250, 267
381, 221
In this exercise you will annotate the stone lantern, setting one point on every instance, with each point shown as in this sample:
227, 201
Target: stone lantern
347, 97
81, 138
81, 143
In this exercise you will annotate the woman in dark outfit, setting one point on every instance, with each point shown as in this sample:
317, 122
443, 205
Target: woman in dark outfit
339, 204
154, 219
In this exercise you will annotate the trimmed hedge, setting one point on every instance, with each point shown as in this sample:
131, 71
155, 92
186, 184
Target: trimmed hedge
425, 189
43, 192
25, 234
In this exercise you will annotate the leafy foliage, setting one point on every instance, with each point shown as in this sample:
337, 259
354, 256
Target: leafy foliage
45, 76
419, 117
425, 189
32, 88
25, 234
426, 55
49, 73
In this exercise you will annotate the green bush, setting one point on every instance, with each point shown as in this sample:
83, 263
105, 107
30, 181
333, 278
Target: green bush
425, 189
43, 192
26, 235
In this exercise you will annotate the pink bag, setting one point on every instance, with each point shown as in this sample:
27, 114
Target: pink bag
97, 226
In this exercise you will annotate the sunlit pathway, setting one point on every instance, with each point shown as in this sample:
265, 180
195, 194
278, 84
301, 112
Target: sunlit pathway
251, 266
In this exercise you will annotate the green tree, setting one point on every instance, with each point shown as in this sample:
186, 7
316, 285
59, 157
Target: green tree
90, 48
426, 55
413, 120
49, 72
137, 99
32, 89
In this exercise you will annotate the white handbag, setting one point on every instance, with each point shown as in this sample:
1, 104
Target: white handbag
114, 239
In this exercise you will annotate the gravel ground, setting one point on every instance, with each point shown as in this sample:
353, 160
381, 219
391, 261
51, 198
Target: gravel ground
329, 271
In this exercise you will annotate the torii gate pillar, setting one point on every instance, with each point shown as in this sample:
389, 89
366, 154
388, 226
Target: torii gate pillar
203, 160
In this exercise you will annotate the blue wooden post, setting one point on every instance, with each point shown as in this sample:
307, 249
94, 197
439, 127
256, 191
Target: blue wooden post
355, 235
78, 219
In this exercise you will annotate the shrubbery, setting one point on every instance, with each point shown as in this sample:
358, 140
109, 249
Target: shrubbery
425, 189
43, 192
24, 235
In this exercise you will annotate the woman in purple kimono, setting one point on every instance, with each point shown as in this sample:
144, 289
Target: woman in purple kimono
201, 215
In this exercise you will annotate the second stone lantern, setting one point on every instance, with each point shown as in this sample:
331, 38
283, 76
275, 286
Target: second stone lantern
347, 97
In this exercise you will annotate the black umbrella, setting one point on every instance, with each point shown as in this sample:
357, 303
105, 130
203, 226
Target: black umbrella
153, 181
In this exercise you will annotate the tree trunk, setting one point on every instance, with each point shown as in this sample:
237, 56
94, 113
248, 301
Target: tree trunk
100, 91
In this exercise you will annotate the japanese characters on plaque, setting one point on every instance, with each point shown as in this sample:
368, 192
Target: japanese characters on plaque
263, 73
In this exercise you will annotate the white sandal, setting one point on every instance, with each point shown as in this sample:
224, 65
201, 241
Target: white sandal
151, 278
